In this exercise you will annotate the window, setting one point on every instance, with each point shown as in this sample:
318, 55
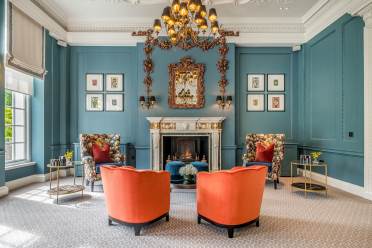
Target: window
16, 127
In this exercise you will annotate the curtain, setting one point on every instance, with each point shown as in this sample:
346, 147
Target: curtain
25, 43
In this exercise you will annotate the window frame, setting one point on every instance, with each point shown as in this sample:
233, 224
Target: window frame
27, 130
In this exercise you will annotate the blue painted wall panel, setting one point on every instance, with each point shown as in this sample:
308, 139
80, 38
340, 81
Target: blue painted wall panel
2, 85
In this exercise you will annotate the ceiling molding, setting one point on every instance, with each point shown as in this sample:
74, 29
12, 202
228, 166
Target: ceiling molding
52, 11
41, 17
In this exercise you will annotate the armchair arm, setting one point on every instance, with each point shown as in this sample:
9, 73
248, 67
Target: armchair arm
90, 168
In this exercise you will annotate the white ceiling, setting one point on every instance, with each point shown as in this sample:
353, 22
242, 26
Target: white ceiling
72, 13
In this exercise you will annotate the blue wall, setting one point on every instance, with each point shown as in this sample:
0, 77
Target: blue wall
331, 65
266, 61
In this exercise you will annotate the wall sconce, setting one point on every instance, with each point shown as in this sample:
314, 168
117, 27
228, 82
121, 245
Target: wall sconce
147, 102
224, 101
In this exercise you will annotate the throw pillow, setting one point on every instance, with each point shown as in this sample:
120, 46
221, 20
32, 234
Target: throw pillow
101, 153
264, 153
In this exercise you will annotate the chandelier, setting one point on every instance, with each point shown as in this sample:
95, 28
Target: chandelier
187, 20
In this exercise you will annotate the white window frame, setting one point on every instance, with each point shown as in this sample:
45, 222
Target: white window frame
27, 127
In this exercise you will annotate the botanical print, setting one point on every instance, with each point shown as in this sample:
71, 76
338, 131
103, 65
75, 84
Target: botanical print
256, 82
114, 82
255, 102
94, 102
114, 102
275, 82
94, 82
275, 102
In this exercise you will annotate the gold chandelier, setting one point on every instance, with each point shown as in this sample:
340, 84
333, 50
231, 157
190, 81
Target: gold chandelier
187, 19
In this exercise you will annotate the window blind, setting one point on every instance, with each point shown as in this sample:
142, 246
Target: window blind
25, 43
18, 82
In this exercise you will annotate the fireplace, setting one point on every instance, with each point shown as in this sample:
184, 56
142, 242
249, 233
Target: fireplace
191, 136
185, 148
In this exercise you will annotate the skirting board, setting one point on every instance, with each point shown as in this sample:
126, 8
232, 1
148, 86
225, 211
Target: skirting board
341, 185
4, 191
38, 178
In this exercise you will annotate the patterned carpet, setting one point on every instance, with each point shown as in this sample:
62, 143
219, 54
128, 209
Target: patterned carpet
28, 218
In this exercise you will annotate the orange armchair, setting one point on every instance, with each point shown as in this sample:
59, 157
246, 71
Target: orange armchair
135, 198
232, 198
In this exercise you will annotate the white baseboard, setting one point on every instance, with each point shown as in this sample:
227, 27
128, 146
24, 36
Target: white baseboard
37, 178
342, 185
4, 191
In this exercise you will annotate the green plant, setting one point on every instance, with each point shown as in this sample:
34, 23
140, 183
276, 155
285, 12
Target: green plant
315, 155
69, 155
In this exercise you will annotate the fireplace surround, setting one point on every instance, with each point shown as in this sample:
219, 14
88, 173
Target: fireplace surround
187, 127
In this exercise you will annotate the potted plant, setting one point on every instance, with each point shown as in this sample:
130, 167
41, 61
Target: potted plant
68, 155
188, 172
315, 156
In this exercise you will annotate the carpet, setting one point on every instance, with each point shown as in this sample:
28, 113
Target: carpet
29, 218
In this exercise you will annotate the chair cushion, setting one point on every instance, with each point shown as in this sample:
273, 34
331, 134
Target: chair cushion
98, 165
264, 153
101, 153
200, 166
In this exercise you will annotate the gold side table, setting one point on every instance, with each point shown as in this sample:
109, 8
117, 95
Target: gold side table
307, 184
66, 189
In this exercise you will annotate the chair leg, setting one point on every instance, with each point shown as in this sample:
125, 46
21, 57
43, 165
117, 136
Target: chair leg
109, 222
257, 223
91, 186
277, 180
230, 232
137, 230
275, 185
199, 219
87, 182
167, 217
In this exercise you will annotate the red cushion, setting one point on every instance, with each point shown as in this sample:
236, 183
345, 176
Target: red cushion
101, 153
264, 153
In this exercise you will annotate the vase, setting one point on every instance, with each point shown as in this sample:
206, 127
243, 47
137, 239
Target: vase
188, 179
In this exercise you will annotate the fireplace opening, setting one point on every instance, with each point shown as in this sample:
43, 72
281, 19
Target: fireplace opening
185, 148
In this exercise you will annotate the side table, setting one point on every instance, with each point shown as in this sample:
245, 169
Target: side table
68, 188
307, 185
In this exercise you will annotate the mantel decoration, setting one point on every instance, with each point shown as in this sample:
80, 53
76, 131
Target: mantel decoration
186, 84
187, 26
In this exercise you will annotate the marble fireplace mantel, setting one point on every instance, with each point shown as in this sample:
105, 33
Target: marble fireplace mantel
210, 126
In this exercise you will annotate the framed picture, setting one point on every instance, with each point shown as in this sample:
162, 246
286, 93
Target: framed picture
256, 82
275, 103
255, 102
94, 102
114, 102
94, 82
186, 84
114, 82
275, 82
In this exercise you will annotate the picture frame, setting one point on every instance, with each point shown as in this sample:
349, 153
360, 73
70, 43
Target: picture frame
255, 82
186, 84
94, 102
114, 82
276, 82
255, 103
114, 102
94, 82
276, 103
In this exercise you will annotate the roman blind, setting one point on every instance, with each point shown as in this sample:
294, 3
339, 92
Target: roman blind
18, 82
25, 43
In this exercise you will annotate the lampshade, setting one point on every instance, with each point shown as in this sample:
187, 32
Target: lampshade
204, 25
166, 13
214, 27
198, 18
198, 4
152, 99
212, 15
229, 99
176, 6
183, 9
203, 11
142, 99
192, 5
157, 25
219, 99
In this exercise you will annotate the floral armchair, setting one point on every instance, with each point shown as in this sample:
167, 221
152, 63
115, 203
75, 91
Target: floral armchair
90, 167
278, 141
